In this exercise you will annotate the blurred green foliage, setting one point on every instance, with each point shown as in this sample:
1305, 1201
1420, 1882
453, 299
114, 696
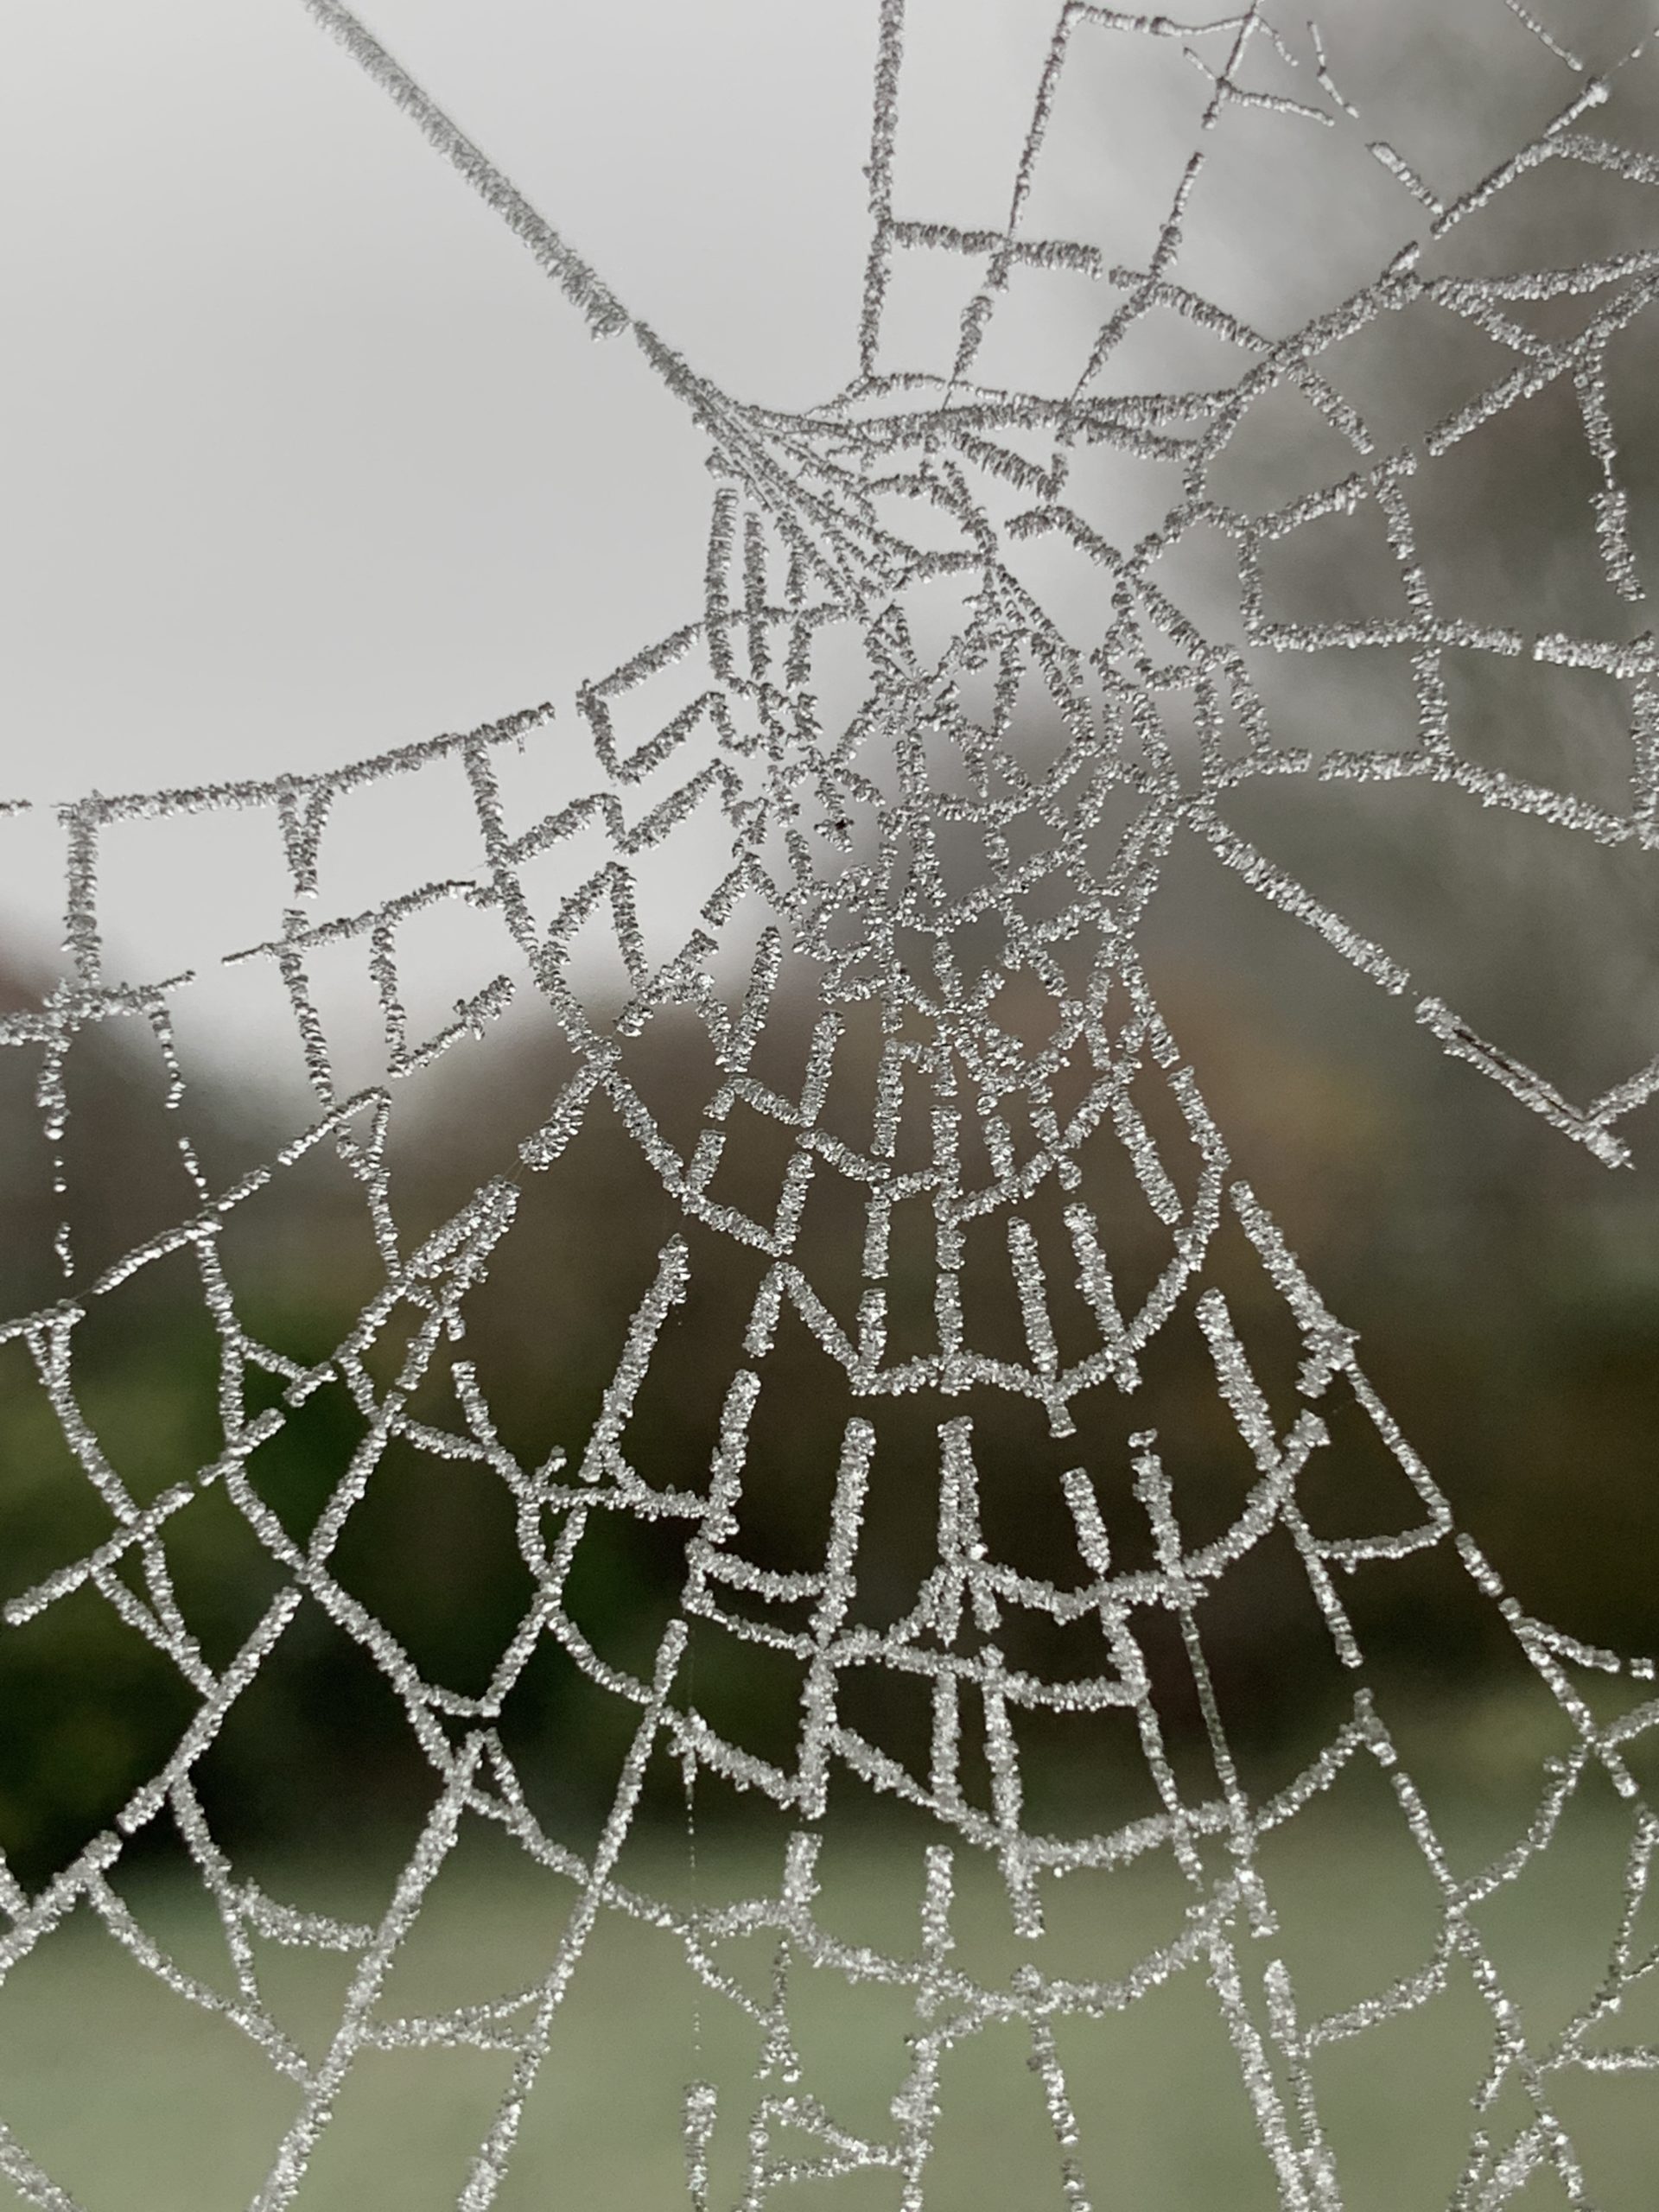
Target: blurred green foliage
1511, 1333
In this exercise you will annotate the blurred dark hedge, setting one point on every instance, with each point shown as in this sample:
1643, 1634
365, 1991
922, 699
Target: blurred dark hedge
1508, 1308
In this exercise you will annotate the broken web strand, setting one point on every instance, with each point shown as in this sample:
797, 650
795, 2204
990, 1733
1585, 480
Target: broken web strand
797, 476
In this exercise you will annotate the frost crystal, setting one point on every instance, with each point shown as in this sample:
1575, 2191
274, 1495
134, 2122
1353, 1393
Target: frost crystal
900, 585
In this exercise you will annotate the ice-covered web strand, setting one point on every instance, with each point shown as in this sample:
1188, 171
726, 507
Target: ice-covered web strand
736, 436
839, 830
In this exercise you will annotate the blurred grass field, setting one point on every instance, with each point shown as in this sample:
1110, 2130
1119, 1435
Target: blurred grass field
137, 2102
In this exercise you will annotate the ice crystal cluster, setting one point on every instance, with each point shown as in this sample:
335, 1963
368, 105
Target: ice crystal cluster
900, 583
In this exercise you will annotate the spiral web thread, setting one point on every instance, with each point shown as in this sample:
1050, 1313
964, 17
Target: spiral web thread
828, 531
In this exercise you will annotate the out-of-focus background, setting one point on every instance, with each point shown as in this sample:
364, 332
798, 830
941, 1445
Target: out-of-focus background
303, 462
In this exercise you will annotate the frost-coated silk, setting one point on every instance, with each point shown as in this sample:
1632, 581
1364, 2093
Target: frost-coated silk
951, 702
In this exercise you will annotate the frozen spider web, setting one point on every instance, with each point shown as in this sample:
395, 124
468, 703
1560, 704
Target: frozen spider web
900, 582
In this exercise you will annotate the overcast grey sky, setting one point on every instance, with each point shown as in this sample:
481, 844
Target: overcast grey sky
302, 457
